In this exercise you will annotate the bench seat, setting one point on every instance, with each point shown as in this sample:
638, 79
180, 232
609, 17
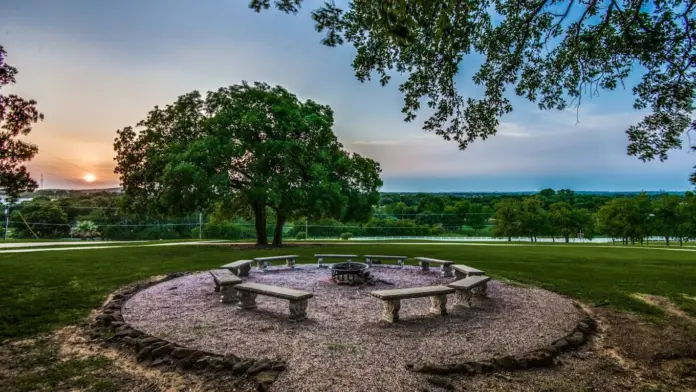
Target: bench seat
467, 287
263, 262
321, 257
392, 300
247, 293
239, 267
369, 259
445, 265
224, 283
462, 271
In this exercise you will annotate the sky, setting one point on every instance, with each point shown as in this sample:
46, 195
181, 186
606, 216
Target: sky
95, 67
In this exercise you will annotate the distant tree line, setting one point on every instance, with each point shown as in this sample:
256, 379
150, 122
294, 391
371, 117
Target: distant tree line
561, 215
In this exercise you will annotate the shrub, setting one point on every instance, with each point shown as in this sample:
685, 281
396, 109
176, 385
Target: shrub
301, 236
346, 236
85, 230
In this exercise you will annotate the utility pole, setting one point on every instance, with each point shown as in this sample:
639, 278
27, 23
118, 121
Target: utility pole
42, 187
7, 221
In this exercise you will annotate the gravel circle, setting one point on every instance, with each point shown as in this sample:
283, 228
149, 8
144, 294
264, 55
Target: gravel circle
344, 346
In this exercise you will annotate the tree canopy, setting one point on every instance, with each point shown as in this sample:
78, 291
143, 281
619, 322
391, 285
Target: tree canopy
551, 52
246, 145
16, 118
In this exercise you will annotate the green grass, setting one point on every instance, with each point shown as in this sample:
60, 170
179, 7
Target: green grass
44, 290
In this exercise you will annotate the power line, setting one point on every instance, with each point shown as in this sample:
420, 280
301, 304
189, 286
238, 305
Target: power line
64, 160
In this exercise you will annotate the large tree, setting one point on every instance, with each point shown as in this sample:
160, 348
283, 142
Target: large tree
17, 115
246, 145
551, 52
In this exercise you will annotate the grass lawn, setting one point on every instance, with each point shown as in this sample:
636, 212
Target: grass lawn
44, 290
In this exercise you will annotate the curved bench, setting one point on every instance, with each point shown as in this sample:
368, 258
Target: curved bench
224, 283
465, 289
320, 258
247, 293
392, 300
445, 265
369, 259
462, 271
263, 262
239, 267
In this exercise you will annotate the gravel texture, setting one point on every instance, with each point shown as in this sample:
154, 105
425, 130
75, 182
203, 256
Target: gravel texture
344, 346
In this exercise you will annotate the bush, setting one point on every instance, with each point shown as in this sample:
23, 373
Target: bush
85, 230
346, 236
301, 236
228, 231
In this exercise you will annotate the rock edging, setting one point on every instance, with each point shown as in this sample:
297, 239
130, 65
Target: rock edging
110, 327
543, 357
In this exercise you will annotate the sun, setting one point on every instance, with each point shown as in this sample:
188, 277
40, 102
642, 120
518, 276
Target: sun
89, 177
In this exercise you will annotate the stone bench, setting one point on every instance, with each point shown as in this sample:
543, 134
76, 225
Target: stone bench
239, 267
224, 284
445, 265
462, 271
369, 259
247, 293
392, 300
320, 258
467, 287
262, 262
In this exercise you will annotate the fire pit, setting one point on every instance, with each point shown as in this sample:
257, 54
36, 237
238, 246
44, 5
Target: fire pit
350, 273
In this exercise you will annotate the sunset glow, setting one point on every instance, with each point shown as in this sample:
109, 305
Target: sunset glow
89, 177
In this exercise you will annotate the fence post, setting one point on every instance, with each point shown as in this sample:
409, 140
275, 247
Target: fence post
200, 225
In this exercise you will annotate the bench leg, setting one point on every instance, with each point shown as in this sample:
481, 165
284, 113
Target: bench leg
298, 310
439, 305
247, 300
368, 261
391, 310
244, 270
217, 287
290, 263
401, 263
320, 262
446, 271
459, 274
425, 266
228, 295
462, 298
482, 291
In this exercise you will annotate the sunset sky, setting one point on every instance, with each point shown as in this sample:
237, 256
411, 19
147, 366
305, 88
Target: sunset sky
97, 66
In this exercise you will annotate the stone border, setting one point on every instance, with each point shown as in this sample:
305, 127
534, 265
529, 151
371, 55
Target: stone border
543, 357
110, 327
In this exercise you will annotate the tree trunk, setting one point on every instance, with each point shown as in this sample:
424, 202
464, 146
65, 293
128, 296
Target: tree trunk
278, 231
260, 223
681, 241
531, 237
667, 240
509, 238
567, 238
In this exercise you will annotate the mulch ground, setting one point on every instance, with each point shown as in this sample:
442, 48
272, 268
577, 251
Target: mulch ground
344, 345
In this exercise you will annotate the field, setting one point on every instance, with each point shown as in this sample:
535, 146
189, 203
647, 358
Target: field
45, 290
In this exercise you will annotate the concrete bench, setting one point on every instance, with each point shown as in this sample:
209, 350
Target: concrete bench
224, 283
467, 287
262, 262
462, 271
239, 267
320, 258
392, 300
369, 259
247, 293
445, 265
